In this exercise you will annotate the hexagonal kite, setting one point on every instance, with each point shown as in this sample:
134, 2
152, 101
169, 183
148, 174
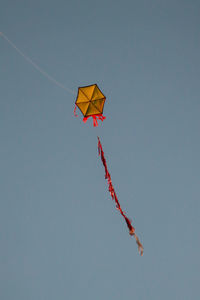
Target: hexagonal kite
90, 100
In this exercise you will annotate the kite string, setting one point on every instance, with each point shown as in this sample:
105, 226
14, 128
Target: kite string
114, 197
36, 66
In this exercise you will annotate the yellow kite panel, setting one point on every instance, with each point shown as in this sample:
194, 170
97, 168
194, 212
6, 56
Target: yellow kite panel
99, 104
88, 91
97, 94
81, 97
92, 110
83, 106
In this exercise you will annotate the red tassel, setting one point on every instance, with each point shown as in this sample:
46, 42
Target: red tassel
85, 119
95, 123
95, 117
114, 197
75, 114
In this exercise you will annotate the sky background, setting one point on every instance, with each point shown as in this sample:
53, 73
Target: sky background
60, 234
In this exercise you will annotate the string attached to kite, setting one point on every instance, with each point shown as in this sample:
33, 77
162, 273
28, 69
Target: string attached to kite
44, 73
114, 197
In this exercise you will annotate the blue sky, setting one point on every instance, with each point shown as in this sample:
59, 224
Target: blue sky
61, 236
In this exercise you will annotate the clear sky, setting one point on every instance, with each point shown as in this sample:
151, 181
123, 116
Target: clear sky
60, 234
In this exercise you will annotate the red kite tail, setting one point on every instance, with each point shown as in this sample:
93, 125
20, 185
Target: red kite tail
114, 197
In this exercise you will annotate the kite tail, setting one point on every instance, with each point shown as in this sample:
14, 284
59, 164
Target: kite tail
114, 197
140, 247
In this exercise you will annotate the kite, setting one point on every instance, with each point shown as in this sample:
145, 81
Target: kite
90, 100
114, 197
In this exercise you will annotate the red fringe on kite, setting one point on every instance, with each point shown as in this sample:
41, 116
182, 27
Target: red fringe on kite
95, 117
114, 197
75, 114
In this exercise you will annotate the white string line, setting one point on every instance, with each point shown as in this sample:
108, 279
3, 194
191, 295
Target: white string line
36, 66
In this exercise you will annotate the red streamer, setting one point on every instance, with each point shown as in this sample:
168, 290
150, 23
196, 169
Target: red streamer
75, 114
95, 117
114, 197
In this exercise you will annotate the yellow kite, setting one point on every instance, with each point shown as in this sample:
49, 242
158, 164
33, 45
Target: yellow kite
90, 100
